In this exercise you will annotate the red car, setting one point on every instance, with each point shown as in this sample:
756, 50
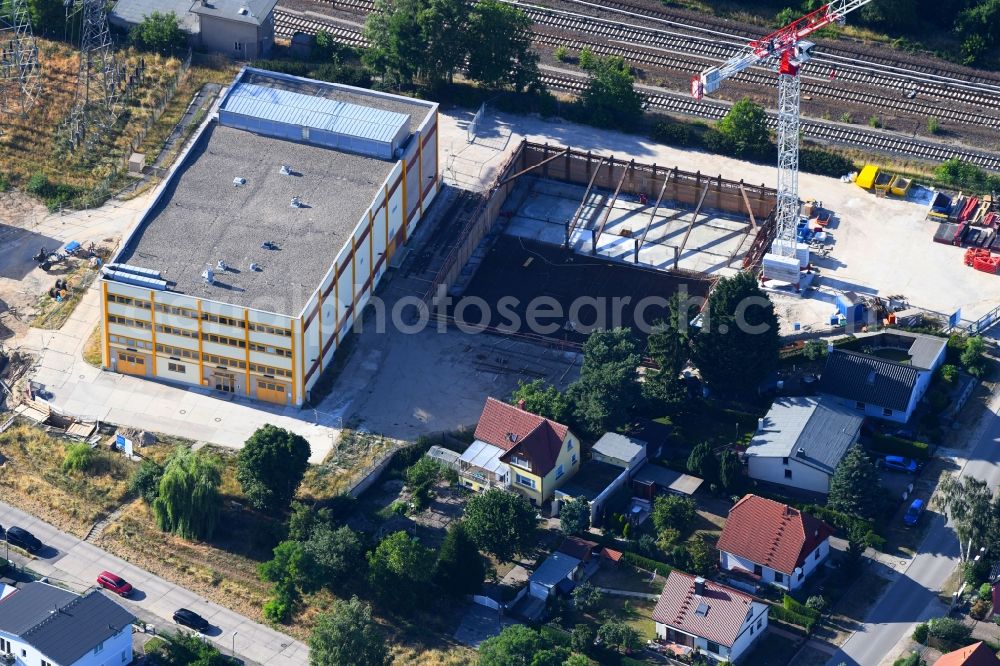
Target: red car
116, 584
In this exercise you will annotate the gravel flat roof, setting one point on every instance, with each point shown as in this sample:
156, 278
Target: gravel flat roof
202, 218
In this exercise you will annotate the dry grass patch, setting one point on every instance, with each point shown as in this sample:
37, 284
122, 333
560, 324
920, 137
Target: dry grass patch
456, 656
92, 348
350, 457
32, 479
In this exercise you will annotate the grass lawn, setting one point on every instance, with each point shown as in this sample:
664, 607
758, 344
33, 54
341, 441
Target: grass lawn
624, 577
92, 352
33, 480
699, 420
637, 613
773, 650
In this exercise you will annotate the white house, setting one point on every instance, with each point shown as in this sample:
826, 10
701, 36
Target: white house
888, 377
44, 625
800, 442
772, 542
716, 619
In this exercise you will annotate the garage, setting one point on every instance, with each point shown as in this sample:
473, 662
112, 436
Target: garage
131, 364
271, 392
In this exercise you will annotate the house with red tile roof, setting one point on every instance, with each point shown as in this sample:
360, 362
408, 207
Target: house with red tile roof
719, 621
977, 654
773, 542
532, 455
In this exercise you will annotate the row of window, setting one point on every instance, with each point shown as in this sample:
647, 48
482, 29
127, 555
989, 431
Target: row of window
273, 330
130, 342
173, 330
267, 349
178, 311
224, 340
126, 321
212, 359
268, 370
127, 300
177, 352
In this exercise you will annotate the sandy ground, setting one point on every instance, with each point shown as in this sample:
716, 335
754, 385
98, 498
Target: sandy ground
879, 246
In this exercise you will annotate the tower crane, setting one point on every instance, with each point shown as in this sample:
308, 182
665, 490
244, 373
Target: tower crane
785, 50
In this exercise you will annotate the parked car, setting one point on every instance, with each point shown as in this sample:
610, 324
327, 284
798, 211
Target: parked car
913, 513
189, 618
116, 584
22, 538
900, 464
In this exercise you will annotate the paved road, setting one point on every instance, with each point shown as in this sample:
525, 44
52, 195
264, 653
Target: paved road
908, 598
74, 563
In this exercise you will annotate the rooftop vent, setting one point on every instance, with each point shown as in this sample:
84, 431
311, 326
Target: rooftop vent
243, 11
222, 266
268, 245
296, 202
238, 181
511, 437
800, 452
285, 170
255, 267
208, 276
760, 424
699, 587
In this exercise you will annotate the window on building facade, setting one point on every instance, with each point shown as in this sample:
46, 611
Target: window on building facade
886, 412
788, 473
524, 481
784, 461
859, 404
779, 577
758, 570
559, 471
713, 647
520, 462
176, 367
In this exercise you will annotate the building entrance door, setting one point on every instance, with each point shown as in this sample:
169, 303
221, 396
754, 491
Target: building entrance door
224, 382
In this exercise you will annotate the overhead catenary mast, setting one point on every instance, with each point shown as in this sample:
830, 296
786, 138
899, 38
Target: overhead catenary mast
786, 51
19, 71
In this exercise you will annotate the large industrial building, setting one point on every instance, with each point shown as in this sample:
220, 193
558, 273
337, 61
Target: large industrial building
270, 236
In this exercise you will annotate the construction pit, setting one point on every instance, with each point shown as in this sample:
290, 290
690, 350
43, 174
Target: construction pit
602, 242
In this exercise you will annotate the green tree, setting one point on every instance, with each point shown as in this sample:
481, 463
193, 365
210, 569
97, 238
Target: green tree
337, 554
949, 630
78, 458
500, 46
608, 389
159, 33
421, 477
574, 516
582, 638
395, 40
303, 518
270, 467
460, 568
399, 569
554, 656
542, 399
145, 481
516, 645
737, 347
973, 356
730, 471
701, 555
501, 523
855, 486
744, 129
48, 17
674, 512
669, 346
616, 634
443, 28
967, 501
814, 350
347, 634
586, 596
577, 660
188, 500
290, 562
702, 462
610, 99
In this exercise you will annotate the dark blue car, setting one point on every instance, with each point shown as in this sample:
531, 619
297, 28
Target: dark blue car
913, 513
900, 464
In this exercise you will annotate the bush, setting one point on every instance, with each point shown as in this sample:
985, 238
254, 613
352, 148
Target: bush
981, 609
647, 564
948, 630
78, 458
817, 603
920, 633
896, 446
145, 481
912, 659
949, 373
556, 636
844, 522
824, 163
791, 617
561, 53
976, 573
789, 603
986, 591
673, 133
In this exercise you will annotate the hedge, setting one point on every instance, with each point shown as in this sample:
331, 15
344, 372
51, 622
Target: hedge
556, 636
891, 445
789, 603
842, 521
791, 617
646, 563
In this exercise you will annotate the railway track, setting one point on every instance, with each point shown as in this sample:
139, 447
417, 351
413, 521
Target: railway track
815, 130
717, 47
767, 79
287, 24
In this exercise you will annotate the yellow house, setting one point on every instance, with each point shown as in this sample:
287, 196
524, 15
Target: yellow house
539, 454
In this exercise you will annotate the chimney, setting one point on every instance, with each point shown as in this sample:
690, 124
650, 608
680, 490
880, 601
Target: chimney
760, 424
520, 403
699, 586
